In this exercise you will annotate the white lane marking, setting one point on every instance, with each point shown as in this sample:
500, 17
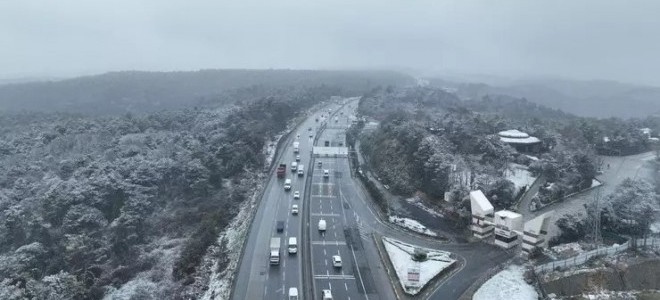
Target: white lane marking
335, 277
346, 286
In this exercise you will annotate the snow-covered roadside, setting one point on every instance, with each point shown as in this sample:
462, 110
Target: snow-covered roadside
505, 285
412, 225
417, 202
401, 255
220, 283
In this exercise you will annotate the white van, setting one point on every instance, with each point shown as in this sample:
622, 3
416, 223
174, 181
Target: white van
293, 245
301, 171
294, 166
287, 184
322, 225
293, 293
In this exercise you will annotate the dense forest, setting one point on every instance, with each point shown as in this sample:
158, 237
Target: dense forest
126, 206
121, 92
430, 141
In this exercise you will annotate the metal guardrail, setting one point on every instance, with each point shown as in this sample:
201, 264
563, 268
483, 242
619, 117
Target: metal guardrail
652, 243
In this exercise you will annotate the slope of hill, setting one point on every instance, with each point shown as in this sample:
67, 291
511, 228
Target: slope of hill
596, 98
120, 92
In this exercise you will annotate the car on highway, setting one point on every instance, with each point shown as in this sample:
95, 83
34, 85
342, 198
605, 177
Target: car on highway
322, 225
297, 157
326, 173
296, 195
320, 163
326, 295
287, 184
294, 209
280, 226
336, 261
293, 293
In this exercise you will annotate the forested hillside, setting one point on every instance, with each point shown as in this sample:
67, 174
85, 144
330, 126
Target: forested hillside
121, 92
429, 143
89, 204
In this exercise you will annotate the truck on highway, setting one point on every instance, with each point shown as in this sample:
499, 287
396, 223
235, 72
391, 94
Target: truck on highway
275, 251
281, 171
296, 147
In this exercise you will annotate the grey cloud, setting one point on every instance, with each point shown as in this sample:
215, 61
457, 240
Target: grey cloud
581, 39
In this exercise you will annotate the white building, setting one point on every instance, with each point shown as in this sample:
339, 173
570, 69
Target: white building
482, 215
536, 230
507, 226
522, 141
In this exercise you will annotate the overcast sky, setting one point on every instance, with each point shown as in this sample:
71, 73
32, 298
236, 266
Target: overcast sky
589, 39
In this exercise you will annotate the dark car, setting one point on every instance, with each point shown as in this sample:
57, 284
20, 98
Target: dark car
280, 226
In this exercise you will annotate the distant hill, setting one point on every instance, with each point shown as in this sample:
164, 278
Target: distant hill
600, 99
134, 91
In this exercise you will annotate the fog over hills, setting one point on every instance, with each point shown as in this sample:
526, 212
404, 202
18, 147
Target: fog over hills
597, 98
136, 91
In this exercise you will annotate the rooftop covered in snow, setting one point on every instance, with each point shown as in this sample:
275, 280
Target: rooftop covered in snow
515, 136
479, 204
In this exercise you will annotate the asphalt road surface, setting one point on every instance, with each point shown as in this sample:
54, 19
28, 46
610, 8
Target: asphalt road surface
256, 278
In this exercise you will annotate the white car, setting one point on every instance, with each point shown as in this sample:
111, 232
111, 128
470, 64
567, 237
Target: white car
297, 157
326, 173
336, 261
294, 209
296, 195
326, 294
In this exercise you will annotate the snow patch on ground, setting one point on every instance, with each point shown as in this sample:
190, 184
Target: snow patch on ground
270, 149
595, 183
505, 285
412, 225
220, 283
519, 175
655, 227
417, 202
400, 255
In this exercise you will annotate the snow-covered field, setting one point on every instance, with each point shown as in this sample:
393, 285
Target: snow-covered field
412, 225
400, 255
519, 176
506, 285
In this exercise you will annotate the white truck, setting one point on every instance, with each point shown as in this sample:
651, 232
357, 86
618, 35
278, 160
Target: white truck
296, 147
275, 251
301, 171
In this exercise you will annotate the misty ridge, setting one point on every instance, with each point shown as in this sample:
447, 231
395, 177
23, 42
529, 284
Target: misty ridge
136, 92
139, 91
596, 98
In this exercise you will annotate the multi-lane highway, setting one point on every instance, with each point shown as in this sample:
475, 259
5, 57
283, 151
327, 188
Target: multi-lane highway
340, 201
256, 278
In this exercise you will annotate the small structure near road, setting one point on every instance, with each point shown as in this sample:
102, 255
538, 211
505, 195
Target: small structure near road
535, 232
482, 215
508, 224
